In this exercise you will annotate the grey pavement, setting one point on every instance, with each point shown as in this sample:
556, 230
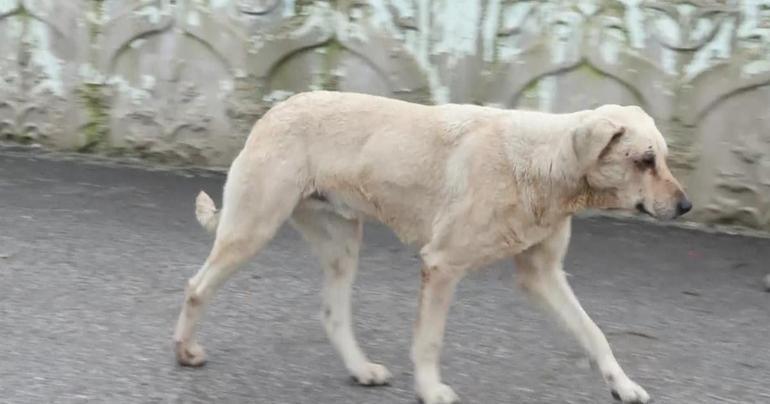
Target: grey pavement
94, 257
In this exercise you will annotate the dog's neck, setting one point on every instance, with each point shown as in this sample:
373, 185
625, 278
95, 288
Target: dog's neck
585, 197
550, 175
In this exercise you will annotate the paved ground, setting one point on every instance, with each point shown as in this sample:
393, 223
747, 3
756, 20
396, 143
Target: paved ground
93, 259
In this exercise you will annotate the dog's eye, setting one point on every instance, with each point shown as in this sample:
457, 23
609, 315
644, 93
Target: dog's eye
647, 161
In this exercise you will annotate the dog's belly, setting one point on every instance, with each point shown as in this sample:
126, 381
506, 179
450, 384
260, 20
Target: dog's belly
332, 203
408, 221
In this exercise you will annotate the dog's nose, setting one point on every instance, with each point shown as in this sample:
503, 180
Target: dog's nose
683, 206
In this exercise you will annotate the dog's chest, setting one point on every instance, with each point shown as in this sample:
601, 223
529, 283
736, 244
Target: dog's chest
507, 238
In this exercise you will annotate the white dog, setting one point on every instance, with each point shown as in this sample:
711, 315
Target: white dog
470, 185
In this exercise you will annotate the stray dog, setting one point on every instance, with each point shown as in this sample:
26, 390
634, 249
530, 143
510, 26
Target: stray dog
468, 184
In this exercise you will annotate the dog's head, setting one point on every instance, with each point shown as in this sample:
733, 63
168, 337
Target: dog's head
622, 154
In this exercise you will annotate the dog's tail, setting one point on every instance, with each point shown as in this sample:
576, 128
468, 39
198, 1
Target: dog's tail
206, 212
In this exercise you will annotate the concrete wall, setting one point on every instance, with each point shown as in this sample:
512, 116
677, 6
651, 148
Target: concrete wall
184, 80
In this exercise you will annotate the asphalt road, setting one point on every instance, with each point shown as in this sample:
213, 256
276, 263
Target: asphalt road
93, 259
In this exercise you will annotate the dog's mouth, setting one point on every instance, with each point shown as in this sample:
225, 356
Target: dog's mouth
641, 209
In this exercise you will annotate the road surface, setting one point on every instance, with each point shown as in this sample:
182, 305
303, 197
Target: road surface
94, 256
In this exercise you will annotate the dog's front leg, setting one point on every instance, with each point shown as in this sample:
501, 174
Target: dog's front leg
438, 285
541, 275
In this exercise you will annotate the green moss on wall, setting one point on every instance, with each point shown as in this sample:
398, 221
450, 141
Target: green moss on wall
530, 91
332, 56
97, 7
96, 128
23, 13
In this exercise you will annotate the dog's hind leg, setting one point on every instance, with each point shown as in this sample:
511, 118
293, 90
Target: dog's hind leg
540, 274
336, 241
256, 202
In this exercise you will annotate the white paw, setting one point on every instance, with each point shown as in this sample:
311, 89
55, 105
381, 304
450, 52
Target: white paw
190, 354
439, 394
372, 374
629, 392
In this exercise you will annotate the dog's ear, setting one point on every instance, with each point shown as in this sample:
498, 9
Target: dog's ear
594, 138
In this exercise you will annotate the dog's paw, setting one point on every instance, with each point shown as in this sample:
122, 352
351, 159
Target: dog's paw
440, 394
629, 392
190, 354
372, 374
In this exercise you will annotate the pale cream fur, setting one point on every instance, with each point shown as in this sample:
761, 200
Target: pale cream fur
469, 185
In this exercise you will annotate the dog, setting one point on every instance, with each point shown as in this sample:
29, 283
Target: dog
468, 184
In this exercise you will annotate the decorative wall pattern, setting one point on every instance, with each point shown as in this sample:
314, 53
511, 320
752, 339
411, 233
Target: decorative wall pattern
184, 80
